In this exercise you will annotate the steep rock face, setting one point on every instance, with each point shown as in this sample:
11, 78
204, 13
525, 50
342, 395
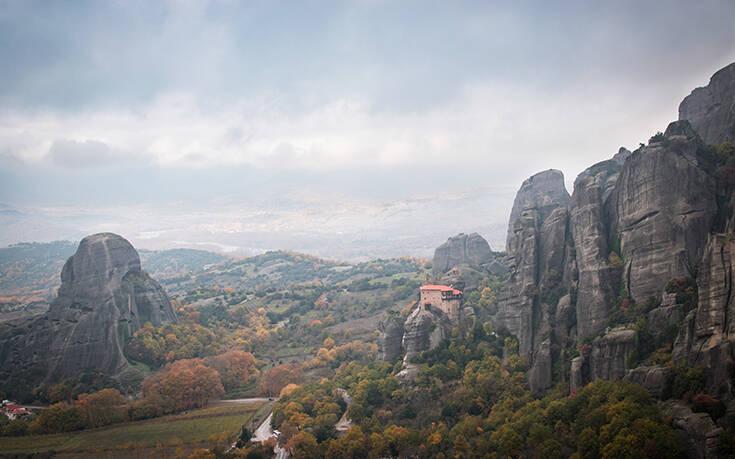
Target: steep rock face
707, 338
392, 331
711, 109
537, 256
667, 316
611, 354
665, 207
104, 297
701, 433
544, 192
470, 249
591, 218
656, 379
608, 357
424, 330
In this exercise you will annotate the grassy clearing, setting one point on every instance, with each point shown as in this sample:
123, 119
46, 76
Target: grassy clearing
166, 436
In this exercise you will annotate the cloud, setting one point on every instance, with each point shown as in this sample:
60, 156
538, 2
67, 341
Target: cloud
490, 91
85, 154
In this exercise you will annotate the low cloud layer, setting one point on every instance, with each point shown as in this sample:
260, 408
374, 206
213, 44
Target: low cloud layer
120, 102
86, 154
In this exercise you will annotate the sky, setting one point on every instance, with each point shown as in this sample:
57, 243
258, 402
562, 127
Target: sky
342, 128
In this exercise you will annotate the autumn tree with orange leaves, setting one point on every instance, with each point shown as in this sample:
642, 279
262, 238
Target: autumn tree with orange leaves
183, 385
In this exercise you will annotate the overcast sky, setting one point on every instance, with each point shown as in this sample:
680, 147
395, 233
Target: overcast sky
122, 102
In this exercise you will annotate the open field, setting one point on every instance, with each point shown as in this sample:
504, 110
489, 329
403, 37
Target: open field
168, 436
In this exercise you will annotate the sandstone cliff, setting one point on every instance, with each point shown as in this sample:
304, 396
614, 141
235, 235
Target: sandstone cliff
665, 209
104, 298
537, 257
711, 110
633, 224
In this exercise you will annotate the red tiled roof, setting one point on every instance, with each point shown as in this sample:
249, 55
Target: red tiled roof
441, 288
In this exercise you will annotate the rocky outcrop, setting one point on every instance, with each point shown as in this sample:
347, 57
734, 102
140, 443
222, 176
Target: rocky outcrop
103, 299
655, 379
708, 335
536, 251
700, 432
598, 264
578, 373
466, 259
425, 329
711, 109
632, 224
544, 192
608, 357
612, 354
468, 249
669, 315
391, 329
665, 208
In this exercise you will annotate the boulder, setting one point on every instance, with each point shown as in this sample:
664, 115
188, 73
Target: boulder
104, 298
710, 110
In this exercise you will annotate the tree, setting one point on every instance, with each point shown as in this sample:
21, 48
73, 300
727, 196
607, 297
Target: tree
352, 445
104, 407
59, 417
278, 377
303, 445
234, 367
183, 385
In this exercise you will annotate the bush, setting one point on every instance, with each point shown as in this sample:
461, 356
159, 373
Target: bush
687, 381
60, 417
686, 292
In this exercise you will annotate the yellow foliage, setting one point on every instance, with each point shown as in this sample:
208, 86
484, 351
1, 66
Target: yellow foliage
289, 389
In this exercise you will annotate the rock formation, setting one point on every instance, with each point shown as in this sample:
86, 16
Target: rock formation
701, 433
611, 354
655, 379
665, 208
711, 110
707, 336
470, 249
591, 220
466, 259
425, 329
392, 330
104, 298
536, 253
633, 224
608, 357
